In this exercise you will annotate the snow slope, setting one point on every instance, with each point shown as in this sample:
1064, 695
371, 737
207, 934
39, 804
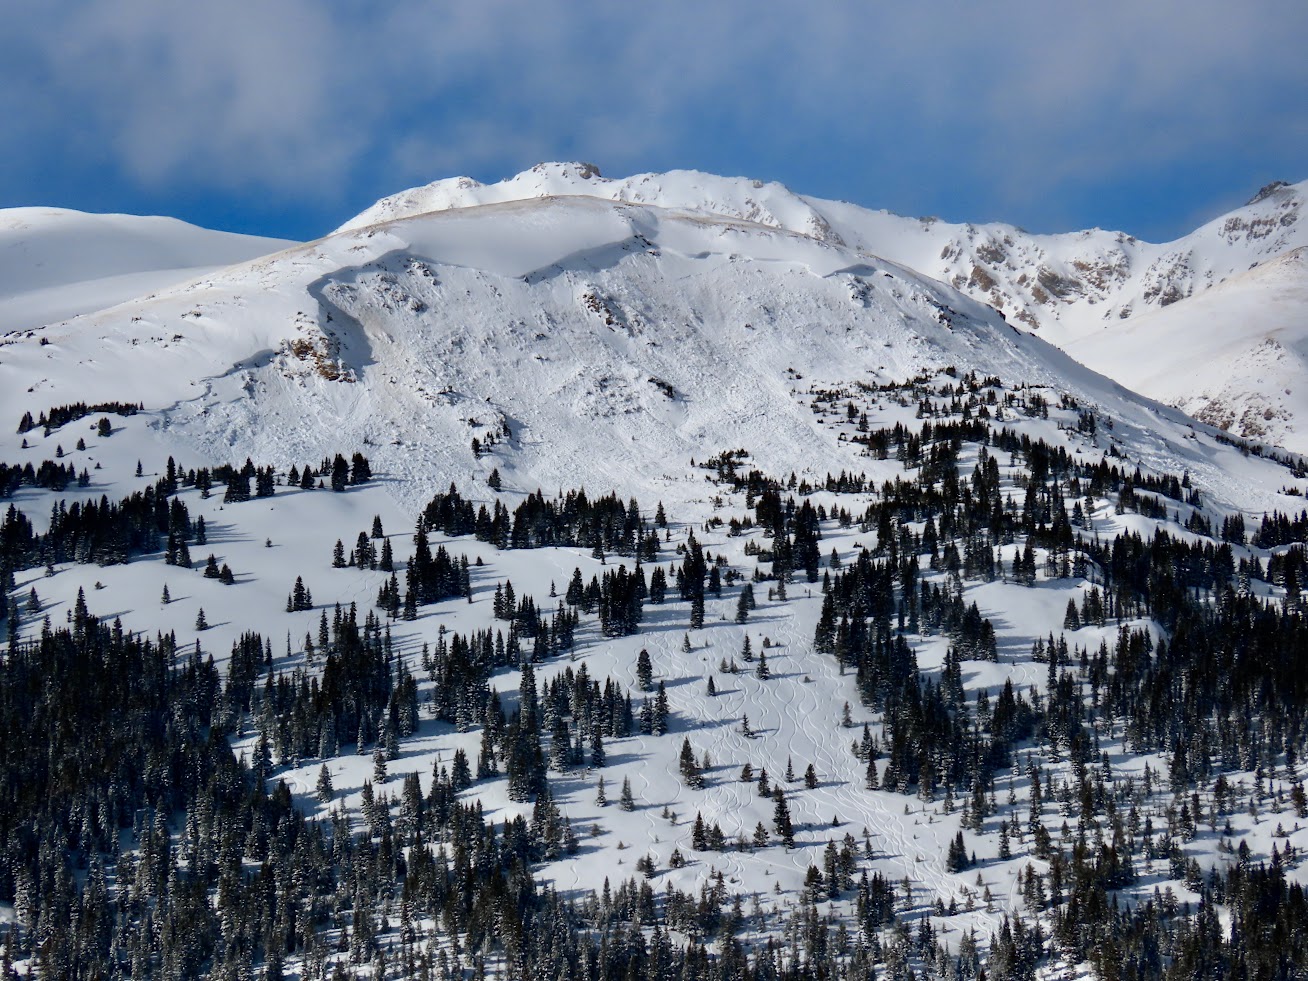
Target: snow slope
1235, 356
56, 264
1065, 284
1069, 287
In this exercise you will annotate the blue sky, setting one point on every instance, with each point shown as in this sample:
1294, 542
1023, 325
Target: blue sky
285, 117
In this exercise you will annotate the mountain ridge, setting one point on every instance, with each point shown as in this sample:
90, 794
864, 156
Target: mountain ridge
56, 263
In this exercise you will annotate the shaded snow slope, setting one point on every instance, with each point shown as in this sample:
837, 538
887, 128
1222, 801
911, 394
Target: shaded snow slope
56, 263
1235, 356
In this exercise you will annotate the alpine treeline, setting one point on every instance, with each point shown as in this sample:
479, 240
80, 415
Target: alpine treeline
135, 842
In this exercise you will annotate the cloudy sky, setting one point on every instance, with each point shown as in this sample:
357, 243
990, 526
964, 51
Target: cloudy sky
285, 117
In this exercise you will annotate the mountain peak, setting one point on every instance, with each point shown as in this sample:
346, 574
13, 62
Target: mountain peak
1267, 191
572, 168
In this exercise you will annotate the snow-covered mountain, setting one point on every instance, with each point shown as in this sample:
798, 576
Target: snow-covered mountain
745, 363
1093, 293
1069, 287
56, 263
1065, 284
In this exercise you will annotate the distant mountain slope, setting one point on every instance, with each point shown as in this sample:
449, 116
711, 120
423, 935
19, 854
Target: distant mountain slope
1235, 356
56, 263
1068, 287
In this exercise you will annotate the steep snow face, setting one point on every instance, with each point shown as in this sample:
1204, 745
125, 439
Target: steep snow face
602, 340
1249, 380
56, 264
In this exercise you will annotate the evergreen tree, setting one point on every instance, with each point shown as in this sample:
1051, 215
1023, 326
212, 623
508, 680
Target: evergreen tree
658, 585
661, 711
340, 475
781, 818
689, 766
697, 612
744, 603
626, 801
325, 791
1072, 619
956, 860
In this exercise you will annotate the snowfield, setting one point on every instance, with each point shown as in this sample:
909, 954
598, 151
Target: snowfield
56, 264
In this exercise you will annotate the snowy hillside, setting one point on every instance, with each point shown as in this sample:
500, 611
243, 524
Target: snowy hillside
1069, 287
884, 634
1235, 356
56, 264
